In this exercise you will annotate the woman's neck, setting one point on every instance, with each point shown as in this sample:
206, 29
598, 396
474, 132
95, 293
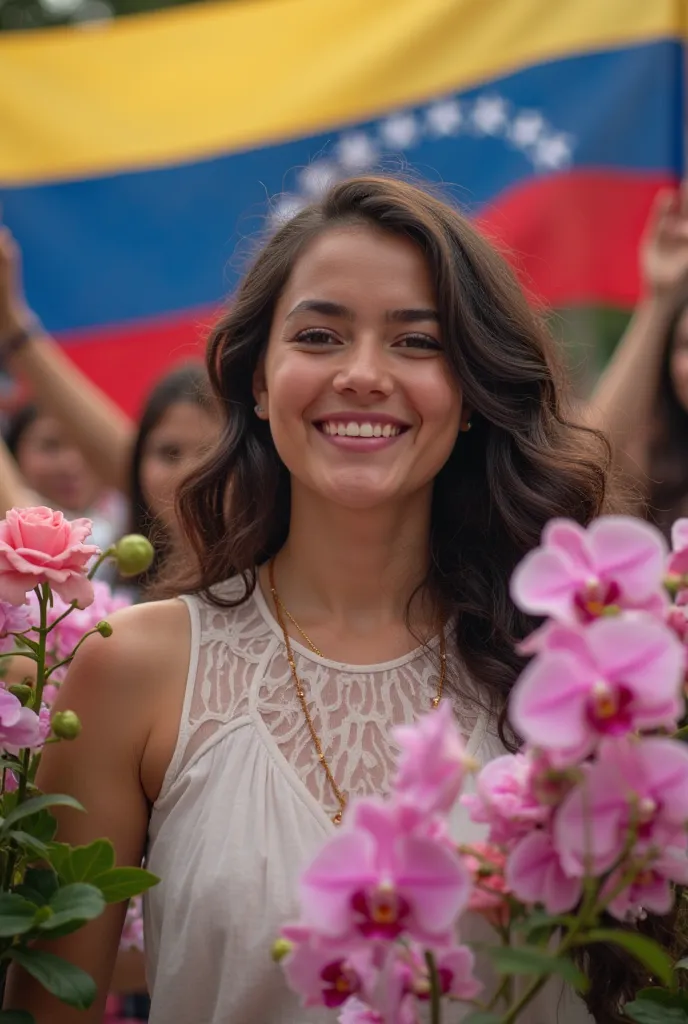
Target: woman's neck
357, 570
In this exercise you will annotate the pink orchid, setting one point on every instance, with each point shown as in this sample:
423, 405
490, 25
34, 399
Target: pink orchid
504, 798
13, 619
486, 864
651, 889
455, 968
621, 675
377, 880
577, 575
433, 761
678, 560
19, 727
355, 1011
535, 875
634, 784
325, 973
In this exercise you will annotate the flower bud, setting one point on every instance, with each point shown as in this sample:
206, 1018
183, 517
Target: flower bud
134, 554
65, 725
280, 949
22, 692
104, 628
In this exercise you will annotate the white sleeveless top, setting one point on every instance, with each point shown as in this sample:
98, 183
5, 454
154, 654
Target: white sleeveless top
245, 804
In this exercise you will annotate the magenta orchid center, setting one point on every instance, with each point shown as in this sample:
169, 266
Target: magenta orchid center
609, 708
381, 912
596, 598
339, 983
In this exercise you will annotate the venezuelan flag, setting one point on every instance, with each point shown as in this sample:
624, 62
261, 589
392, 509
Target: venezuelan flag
138, 157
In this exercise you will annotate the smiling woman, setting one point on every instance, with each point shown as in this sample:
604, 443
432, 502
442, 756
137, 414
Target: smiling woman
355, 544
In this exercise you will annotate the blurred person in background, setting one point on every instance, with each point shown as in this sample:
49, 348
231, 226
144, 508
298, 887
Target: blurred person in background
641, 400
147, 463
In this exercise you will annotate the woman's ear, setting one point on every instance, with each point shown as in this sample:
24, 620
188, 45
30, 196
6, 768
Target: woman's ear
260, 391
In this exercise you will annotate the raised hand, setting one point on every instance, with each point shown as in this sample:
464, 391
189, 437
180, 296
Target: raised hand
664, 248
14, 312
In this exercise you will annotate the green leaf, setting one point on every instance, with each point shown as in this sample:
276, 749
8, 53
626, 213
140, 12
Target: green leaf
540, 923
16, 1017
29, 843
647, 951
72, 907
39, 803
16, 915
657, 1006
39, 885
122, 883
87, 863
532, 960
65, 981
42, 825
58, 855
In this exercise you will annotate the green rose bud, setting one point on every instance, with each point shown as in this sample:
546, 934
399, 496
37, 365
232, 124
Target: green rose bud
104, 628
22, 692
65, 725
43, 914
280, 949
134, 554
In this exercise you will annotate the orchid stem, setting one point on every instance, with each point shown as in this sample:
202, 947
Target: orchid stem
435, 1004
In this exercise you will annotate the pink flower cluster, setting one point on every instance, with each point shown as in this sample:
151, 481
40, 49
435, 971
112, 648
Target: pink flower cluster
600, 788
387, 888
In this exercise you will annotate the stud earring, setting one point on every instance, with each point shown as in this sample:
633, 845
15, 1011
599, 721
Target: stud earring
467, 426
258, 409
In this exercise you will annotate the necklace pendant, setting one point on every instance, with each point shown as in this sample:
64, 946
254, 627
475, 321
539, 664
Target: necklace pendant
337, 818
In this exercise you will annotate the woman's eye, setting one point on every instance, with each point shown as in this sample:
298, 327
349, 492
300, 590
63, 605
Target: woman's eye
170, 453
316, 336
419, 341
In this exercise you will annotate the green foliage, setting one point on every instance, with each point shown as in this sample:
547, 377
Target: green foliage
534, 961
657, 1006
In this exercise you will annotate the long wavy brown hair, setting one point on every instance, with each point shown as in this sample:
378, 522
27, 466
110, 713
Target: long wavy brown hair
668, 458
523, 463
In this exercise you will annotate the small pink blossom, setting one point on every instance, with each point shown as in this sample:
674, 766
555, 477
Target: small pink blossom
80, 621
535, 875
356, 1012
678, 560
433, 761
13, 619
39, 545
377, 880
505, 800
19, 727
577, 575
641, 784
455, 968
132, 932
651, 889
324, 973
486, 864
622, 675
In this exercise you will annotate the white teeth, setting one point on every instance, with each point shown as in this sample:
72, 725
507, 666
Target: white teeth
360, 429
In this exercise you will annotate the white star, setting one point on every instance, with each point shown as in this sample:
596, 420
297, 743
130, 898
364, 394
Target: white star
526, 128
399, 131
284, 209
553, 152
490, 114
317, 178
444, 117
356, 151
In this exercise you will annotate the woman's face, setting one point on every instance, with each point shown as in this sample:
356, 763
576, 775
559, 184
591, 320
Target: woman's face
173, 448
54, 467
678, 365
362, 404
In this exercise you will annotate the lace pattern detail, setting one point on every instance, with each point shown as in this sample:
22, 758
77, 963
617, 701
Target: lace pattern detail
243, 669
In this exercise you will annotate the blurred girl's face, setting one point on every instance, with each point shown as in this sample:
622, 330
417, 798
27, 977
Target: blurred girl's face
53, 466
173, 448
679, 360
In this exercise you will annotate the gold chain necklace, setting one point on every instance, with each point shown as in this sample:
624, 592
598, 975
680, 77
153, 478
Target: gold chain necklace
281, 611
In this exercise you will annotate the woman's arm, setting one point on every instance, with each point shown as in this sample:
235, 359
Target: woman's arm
622, 402
97, 424
13, 491
117, 688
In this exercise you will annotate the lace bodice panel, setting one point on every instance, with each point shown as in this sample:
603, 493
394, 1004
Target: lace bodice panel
241, 669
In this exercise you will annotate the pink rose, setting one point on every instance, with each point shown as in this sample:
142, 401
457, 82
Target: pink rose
38, 545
